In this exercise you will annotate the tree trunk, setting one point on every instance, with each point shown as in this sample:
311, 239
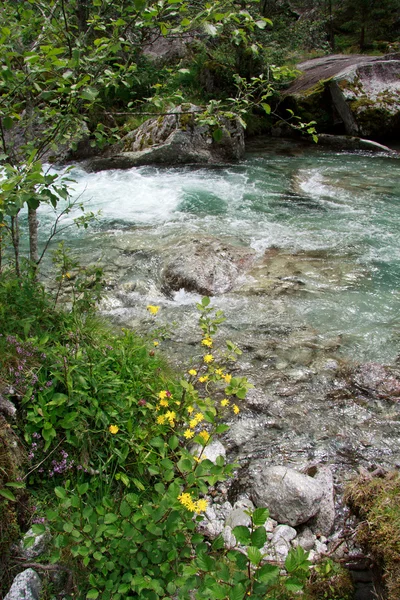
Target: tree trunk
33, 236
15, 243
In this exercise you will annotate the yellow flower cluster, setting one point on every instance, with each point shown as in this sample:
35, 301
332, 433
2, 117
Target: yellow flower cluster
236, 409
198, 418
207, 342
203, 378
188, 433
194, 506
208, 358
204, 435
192, 372
169, 416
225, 402
153, 310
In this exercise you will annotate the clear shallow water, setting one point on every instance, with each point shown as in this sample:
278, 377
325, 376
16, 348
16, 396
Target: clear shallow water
334, 217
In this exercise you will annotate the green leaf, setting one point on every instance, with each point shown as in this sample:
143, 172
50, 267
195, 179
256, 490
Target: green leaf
260, 516
217, 135
110, 518
261, 24
266, 107
267, 573
89, 93
218, 543
205, 301
293, 585
173, 442
242, 534
16, 484
259, 537
68, 527
83, 488
254, 555
92, 594
237, 592
60, 492
8, 495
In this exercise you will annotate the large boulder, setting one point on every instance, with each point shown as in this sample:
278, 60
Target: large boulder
205, 265
358, 95
26, 585
367, 97
174, 139
291, 497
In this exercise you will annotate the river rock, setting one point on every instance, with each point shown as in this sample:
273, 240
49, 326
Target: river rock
26, 586
291, 497
205, 265
377, 380
324, 520
40, 544
174, 139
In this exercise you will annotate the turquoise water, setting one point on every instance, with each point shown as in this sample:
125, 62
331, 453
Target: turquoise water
334, 219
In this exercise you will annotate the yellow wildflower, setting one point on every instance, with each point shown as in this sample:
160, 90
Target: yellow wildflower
170, 415
208, 358
164, 403
204, 435
203, 378
192, 372
199, 417
68, 275
227, 378
225, 402
153, 310
219, 372
155, 343
197, 459
113, 429
190, 409
192, 423
236, 409
162, 394
161, 420
201, 505
207, 342
188, 434
186, 500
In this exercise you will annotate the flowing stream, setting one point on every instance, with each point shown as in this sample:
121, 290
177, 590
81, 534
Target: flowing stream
323, 296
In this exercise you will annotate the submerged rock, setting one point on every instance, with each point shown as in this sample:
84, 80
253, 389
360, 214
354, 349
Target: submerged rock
292, 498
377, 380
174, 139
205, 265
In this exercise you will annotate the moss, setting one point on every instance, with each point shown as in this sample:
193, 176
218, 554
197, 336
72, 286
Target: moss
186, 120
329, 580
375, 501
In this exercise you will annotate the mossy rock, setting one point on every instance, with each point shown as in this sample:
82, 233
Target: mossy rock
375, 501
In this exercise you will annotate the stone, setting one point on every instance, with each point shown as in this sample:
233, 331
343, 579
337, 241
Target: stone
237, 517
26, 586
283, 532
39, 546
291, 497
229, 538
210, 452
205, 265
324, 521
306, 539
174, 139
7, 408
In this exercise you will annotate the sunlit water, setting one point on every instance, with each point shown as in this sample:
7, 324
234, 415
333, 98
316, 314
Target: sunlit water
325, 227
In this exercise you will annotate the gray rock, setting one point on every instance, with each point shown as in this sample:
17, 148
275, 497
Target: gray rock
211, 452
270, 525
377, 380
283, 532
229, 538
306, 539
292, 498
324, 521
205, 265
39, 546
26, 586
238, 517
175, 138
7, 408
347, 142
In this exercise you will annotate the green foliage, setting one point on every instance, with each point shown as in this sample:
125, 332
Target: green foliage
109, 432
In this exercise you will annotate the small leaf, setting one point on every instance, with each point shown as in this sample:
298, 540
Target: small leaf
7, 494
266, 107
217, 135
260, 516
267, 573
254, 555
259, 537
92, 594
242, 534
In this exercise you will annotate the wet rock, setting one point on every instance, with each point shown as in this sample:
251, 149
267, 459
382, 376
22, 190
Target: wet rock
205, 265
39, 546
172, 139
348, 142
26, 586
377, 380
291, 497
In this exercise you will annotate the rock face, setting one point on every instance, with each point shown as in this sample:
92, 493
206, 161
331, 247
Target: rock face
367, 98
174, 139
291, 497
26, 585
357, 95
206, 265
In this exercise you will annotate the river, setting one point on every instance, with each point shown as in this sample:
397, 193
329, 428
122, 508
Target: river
324, 294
